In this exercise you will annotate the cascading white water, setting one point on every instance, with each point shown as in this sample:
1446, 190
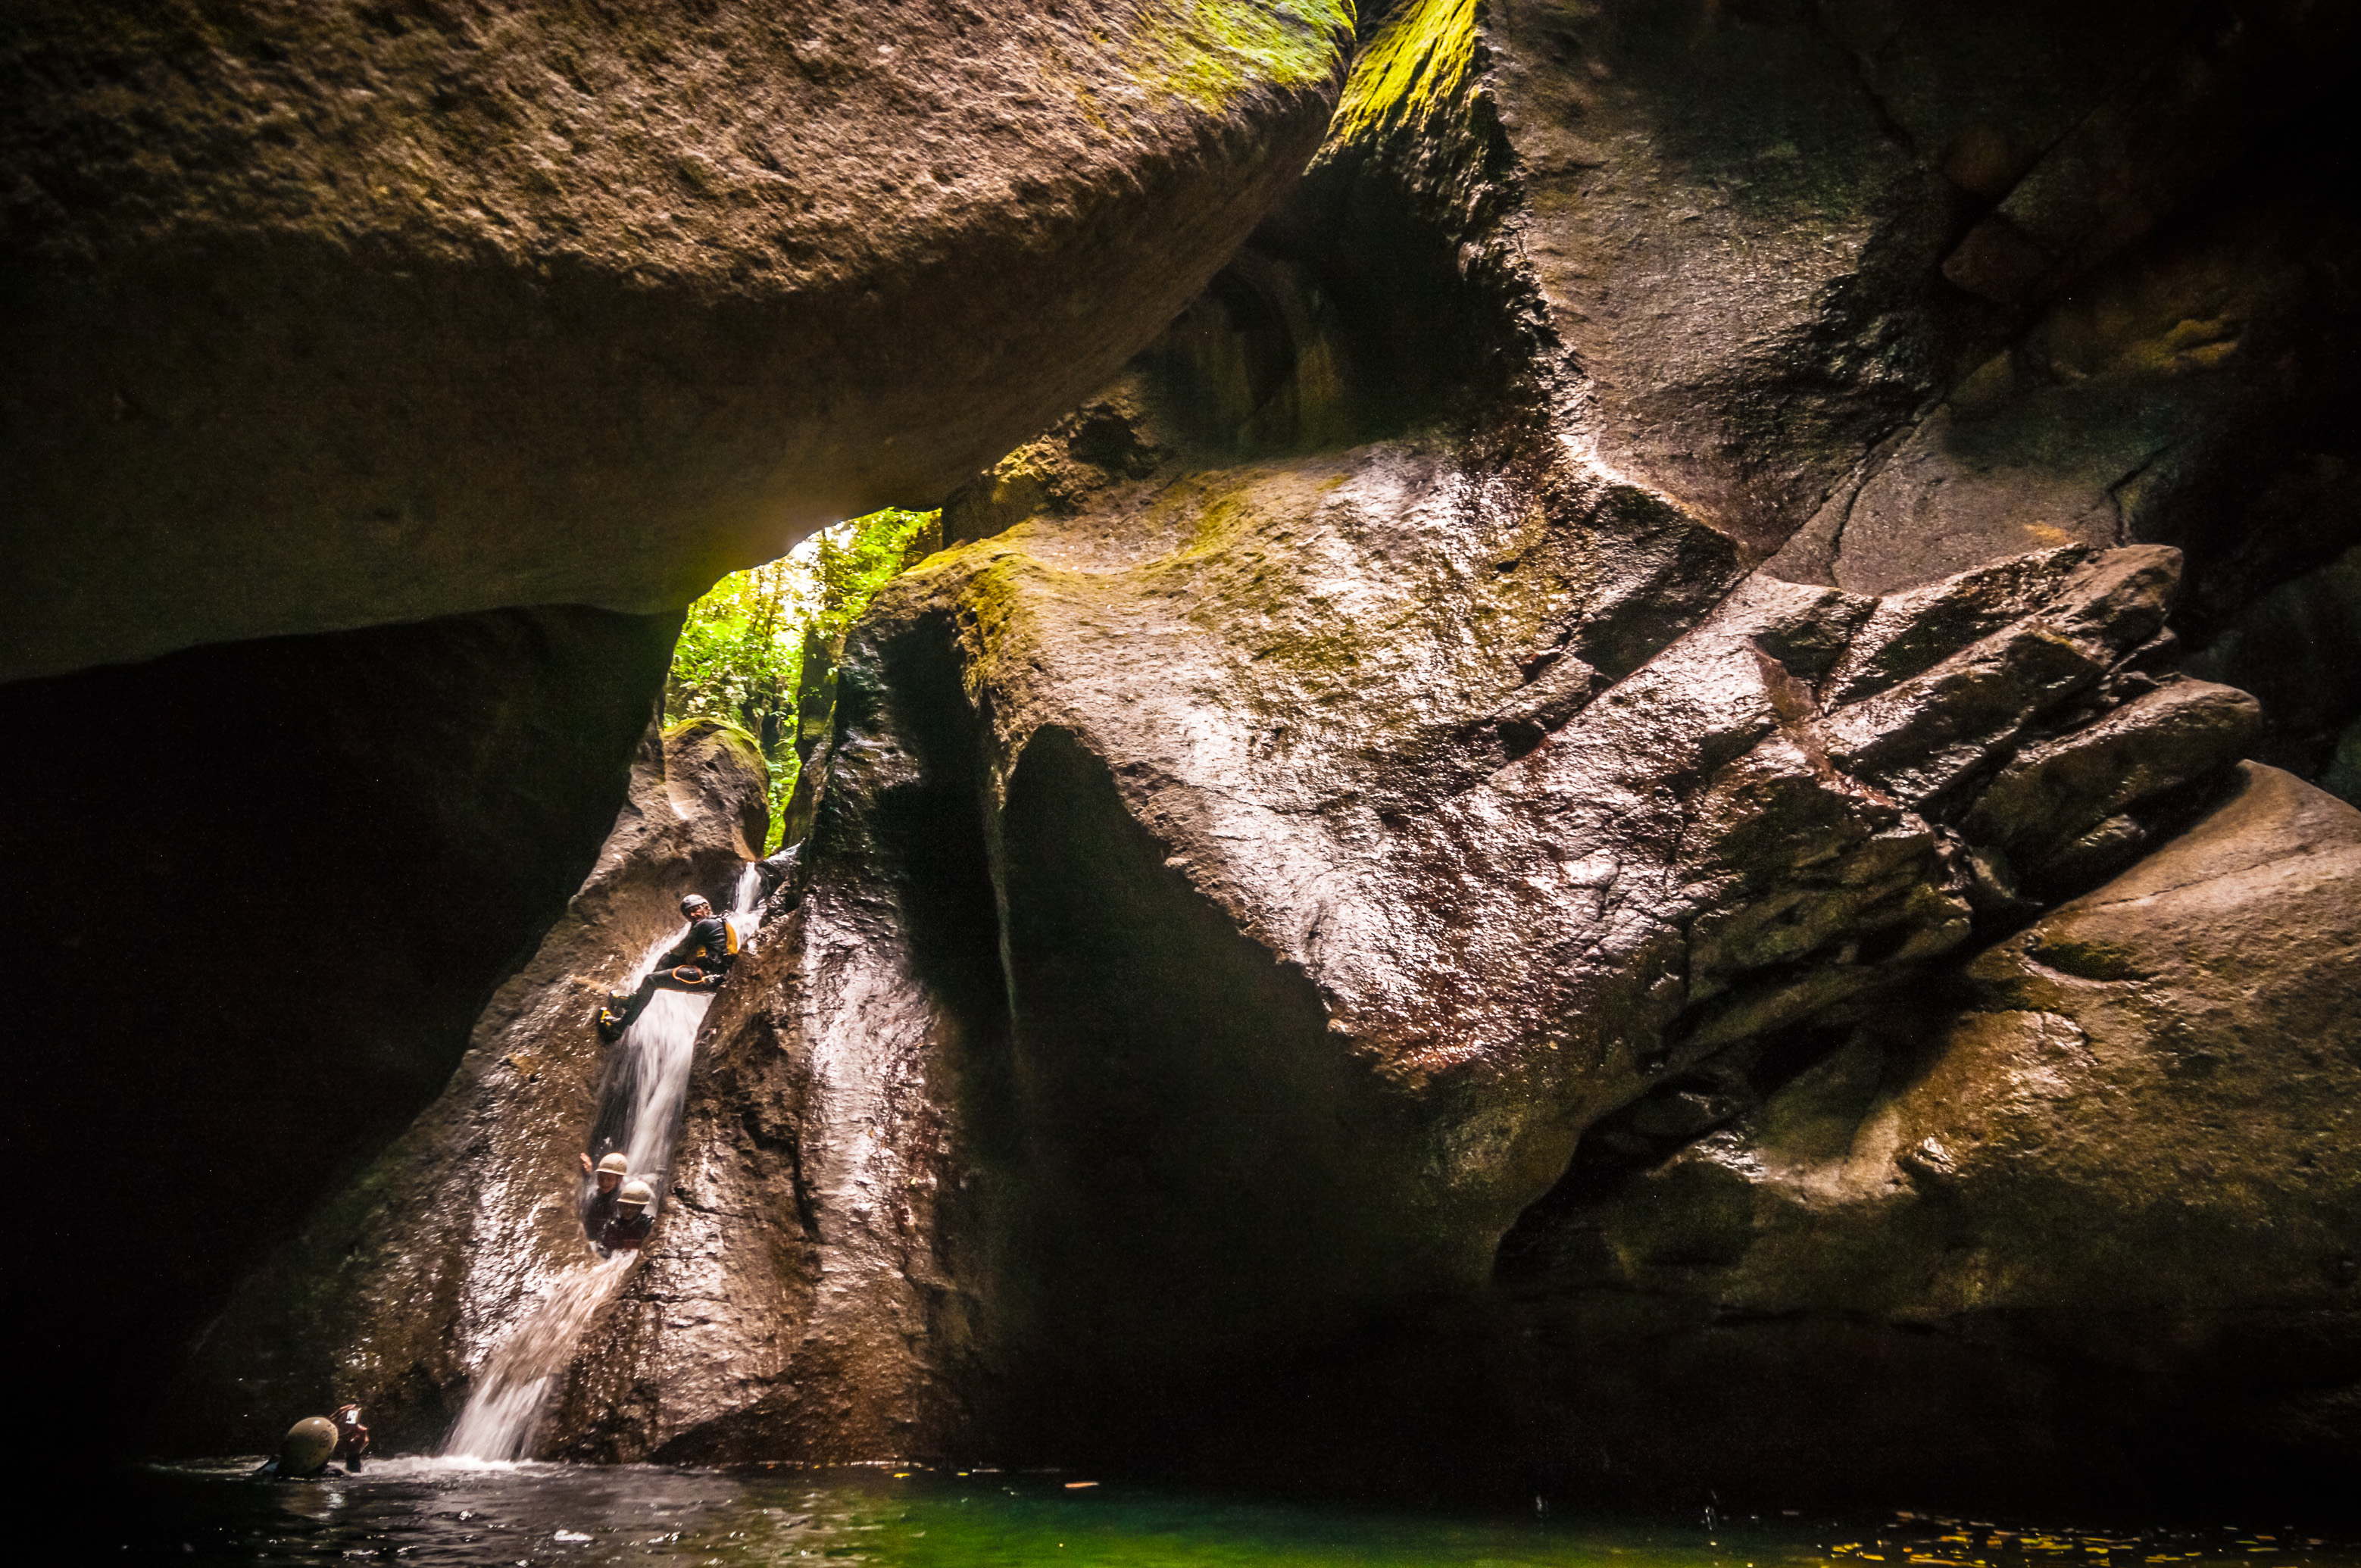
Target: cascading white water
661, 1045
651, 1084
506, 1403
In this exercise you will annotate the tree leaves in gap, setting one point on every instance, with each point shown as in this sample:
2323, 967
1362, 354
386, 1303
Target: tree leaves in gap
740, 652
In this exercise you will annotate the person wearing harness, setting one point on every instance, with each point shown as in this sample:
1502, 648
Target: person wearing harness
696, 963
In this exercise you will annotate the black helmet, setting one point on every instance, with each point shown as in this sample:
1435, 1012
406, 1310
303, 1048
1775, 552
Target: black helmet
695, 902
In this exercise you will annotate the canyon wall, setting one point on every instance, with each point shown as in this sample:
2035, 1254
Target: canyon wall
1634, 786
1572, 839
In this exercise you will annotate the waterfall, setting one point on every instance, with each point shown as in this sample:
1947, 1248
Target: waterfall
652, 1082
506, 1402
640, 1112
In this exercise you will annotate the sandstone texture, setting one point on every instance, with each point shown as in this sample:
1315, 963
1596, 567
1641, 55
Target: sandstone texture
324, 314
263, 892
402, 1283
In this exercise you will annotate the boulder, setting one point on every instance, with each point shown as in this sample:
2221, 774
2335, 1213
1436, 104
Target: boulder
2095, 1214
399, 1285
1229, 902
325, 316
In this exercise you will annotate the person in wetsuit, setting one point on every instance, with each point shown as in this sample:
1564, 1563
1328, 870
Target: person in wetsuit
696, 963
352, 1438
633, 1220
607, 1176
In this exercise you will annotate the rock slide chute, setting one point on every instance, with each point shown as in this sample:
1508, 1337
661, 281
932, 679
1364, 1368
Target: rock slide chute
646, 1081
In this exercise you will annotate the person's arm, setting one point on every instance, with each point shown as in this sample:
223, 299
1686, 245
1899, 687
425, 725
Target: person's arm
588, 1169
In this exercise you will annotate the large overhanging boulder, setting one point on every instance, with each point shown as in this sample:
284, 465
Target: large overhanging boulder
321, 315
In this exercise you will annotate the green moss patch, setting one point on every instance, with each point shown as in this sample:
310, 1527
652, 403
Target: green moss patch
1415, 65
1209, 52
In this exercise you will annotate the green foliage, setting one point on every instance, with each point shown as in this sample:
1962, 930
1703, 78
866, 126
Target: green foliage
855, 559
740, 655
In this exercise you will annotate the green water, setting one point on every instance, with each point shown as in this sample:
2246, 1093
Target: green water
425, 1512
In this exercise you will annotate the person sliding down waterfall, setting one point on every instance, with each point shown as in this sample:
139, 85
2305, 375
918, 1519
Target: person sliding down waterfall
631, 1222
606, 1176
696, 963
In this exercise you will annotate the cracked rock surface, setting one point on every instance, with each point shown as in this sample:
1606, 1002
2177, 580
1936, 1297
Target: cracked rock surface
1189, 970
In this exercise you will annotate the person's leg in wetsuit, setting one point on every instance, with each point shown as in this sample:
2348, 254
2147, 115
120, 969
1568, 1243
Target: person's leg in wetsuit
613, 1021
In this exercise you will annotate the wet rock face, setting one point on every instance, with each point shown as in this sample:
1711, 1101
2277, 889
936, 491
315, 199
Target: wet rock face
1724, 251
1294, 924
401, 1284
1260, 959
325, 316
2102, 1201
267, 889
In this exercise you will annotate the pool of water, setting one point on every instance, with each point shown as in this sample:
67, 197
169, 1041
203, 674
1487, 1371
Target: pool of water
442, 1511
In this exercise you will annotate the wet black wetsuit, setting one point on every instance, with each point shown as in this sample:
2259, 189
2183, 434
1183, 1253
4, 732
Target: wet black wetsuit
599, 1210
696, 963
625, 1231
